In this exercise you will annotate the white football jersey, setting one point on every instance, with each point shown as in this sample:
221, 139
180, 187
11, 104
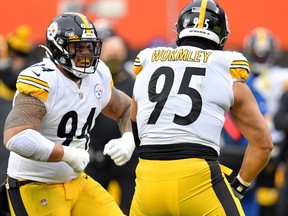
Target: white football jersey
71, 112
182, 94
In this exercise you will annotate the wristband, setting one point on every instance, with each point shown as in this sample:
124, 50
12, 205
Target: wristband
239, 187
247, 184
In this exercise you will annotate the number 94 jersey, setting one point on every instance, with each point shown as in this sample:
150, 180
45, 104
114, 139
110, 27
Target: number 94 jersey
182, 94
71, 112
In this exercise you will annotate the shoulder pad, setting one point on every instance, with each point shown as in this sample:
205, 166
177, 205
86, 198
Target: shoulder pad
33, 80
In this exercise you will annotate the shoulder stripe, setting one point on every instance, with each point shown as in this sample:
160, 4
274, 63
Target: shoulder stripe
240, 63
34, 82
33, 86
137, 66
240, 69
19, 83
32, 90
137, 62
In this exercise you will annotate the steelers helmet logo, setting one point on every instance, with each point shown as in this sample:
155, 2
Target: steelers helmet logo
186, 22
98, 91
52, 31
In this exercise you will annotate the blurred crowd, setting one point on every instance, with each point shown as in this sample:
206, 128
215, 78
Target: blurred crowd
15, 50
267, 80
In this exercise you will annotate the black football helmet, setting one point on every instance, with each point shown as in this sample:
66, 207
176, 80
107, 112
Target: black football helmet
261, 48
77, 29
204, 19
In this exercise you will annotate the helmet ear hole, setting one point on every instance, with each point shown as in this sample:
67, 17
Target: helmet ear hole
63, 60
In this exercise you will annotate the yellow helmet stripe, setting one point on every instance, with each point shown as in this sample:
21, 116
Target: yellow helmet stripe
86, 22
202, 13
262, 36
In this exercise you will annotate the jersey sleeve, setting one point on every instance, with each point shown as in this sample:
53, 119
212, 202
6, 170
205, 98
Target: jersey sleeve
239, 67
32, 82
138, 63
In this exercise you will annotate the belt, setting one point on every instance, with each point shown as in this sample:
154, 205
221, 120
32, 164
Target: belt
15, 183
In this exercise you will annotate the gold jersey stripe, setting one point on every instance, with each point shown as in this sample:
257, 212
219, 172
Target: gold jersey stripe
111, 84
137, 66
137, 61
239, 73
137, 69
202, 13
240, 62
32, 90
32, 79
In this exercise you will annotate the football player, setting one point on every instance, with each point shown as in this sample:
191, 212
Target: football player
180, 98
262, 49
47, 130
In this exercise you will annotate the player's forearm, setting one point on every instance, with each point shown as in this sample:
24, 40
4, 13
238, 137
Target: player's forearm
124, 119
254, 161
29, 143
118, 109
124, 122
17, 143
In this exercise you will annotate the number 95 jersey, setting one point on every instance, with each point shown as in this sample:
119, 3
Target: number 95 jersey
182, 94
71, 112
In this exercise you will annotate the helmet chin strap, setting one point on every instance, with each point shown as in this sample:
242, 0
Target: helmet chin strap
70, 74
48, 52
76, 71
81, 72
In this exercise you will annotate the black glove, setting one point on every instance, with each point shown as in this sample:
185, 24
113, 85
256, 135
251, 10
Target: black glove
239, 187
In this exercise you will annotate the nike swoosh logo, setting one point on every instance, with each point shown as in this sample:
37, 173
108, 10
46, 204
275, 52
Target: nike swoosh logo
37, 74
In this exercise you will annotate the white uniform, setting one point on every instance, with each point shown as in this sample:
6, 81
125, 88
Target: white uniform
183, 94
71, 112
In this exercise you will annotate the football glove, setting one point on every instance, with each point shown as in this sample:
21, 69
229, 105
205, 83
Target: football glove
239, 187
76, 158
120, 150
